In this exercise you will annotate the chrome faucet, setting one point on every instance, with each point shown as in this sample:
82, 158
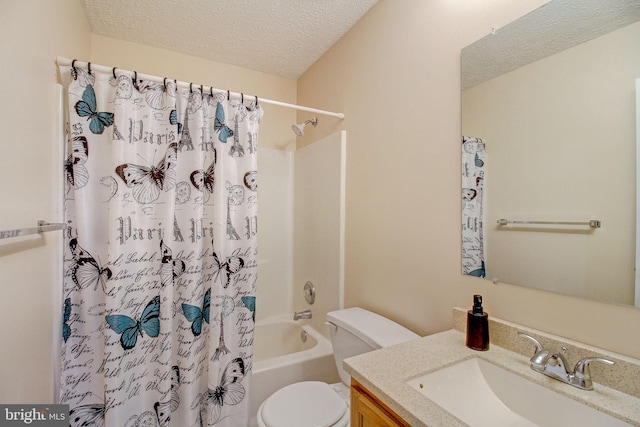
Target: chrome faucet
302, 315
555, 366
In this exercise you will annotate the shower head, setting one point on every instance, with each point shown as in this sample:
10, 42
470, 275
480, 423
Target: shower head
299, 128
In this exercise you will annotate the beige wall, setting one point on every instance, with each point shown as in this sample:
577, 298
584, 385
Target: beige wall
396, 76
560, 137
33, 33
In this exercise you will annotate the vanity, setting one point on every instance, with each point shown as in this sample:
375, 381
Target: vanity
386, 387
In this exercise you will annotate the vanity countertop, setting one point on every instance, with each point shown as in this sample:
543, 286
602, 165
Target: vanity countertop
385, 373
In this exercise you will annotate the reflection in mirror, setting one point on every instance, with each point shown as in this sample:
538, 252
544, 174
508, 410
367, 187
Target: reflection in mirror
552, 97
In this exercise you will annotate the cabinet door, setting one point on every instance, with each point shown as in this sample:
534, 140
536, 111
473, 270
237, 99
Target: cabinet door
368, 411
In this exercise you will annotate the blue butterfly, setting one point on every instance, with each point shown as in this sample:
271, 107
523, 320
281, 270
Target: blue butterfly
478, 272
173, 119
250, 303
87, 108
129, 328
479, 162
223, 130
66, 314
196, 314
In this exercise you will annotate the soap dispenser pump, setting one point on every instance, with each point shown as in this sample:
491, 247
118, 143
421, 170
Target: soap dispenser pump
477, 326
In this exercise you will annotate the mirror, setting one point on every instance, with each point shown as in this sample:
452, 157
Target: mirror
549, 108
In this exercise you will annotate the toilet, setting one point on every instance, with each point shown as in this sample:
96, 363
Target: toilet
316, 404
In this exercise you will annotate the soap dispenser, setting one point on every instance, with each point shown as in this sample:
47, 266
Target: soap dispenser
477, 326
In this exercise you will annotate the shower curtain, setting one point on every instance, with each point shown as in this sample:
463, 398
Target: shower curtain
473, 174
160, 263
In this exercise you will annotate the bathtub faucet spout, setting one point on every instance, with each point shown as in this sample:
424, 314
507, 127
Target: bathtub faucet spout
302, 315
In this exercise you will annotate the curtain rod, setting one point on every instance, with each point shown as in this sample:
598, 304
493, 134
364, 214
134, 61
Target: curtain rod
62, 61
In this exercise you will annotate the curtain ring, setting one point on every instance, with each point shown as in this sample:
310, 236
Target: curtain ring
89, 67
190, 88
211, 91
228, 95
114, 73
164, 83
256, 100
74, 73
135, 79
242, 97
201, 90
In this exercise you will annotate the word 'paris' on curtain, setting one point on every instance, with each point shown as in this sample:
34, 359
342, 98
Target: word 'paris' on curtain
161, 253
473, 176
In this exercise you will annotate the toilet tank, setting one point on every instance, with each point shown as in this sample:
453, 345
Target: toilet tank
358, 331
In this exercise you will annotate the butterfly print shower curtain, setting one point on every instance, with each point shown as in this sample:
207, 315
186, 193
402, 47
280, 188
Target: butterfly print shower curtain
161, 253
473, 174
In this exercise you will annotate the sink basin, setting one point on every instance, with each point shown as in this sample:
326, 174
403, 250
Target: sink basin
483, 394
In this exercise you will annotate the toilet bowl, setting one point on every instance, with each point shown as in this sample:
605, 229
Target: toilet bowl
316, 404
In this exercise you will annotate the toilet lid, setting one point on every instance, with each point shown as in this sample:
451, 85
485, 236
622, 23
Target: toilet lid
304, 404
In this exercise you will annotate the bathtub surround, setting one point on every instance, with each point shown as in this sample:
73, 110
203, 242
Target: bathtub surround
161, 265
319, 226
302, 229
301, 239
275, 239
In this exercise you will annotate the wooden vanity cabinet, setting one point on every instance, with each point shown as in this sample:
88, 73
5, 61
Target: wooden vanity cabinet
368, 411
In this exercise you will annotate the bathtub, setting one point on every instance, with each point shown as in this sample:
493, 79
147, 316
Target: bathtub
280, 357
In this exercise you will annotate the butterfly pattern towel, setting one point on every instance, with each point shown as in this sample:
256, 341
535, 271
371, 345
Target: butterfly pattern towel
159, 302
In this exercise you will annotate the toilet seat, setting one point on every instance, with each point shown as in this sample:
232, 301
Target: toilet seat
304, 404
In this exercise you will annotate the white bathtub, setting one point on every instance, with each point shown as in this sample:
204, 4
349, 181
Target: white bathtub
281, 358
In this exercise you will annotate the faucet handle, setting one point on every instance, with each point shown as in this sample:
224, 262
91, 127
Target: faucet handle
582, 367
539, 347
539, 358
582, 372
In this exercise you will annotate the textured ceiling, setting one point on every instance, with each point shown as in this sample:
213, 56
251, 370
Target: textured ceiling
555, 26
281, 37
